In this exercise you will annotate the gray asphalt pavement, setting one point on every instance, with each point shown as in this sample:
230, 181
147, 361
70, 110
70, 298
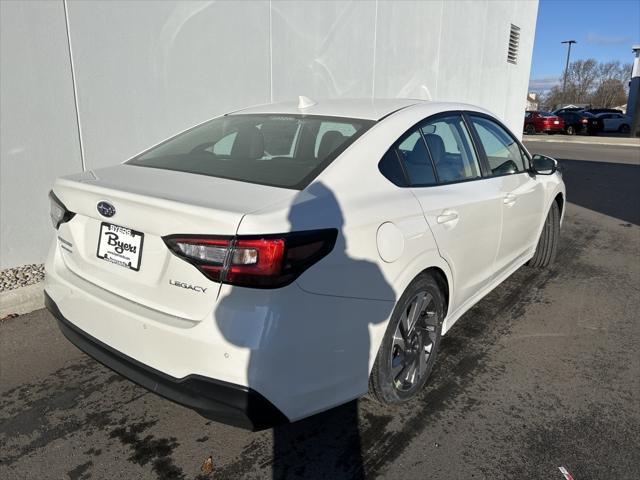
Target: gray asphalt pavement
543, 373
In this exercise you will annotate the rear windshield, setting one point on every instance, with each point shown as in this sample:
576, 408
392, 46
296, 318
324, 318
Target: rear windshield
286, 151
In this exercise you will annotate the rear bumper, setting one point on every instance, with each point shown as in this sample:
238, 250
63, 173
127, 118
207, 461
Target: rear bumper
553, 128
214, 399
302, 352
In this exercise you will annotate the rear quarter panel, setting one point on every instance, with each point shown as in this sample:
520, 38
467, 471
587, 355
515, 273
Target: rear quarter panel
353, 196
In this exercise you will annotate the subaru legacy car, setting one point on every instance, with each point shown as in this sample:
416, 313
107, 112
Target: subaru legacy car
284, 259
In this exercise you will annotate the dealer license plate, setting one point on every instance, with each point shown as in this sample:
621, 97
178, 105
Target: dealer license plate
120, 245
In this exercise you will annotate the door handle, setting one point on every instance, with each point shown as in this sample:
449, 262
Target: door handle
509, 199
447, 216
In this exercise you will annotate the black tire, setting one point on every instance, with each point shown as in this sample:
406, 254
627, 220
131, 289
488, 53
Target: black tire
624, 128
530, 129
548, 243
570, 130
383, 386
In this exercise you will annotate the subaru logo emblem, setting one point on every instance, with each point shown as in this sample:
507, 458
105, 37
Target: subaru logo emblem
106, 209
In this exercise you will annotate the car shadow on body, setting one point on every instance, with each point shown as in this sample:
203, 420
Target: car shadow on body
326, 445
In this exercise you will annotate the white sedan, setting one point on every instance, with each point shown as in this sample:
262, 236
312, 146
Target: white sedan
615, 122
284, 259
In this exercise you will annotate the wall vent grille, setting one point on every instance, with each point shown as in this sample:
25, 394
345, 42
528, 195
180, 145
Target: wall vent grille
514, 43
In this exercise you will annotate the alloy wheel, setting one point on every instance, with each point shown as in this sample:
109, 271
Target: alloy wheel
413, 341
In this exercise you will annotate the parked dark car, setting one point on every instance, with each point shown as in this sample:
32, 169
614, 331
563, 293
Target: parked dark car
567, 109
536, 122
581, 122
596, 111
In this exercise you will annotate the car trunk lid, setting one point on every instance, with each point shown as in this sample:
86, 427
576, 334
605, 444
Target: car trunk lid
152, 203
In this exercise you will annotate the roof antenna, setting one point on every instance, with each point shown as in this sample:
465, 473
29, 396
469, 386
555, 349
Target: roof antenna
305, 102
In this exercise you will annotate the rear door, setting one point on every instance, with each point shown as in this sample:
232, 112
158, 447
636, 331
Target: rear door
522, 197
461, 208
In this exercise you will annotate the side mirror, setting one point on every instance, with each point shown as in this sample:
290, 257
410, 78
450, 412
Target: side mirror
543, 165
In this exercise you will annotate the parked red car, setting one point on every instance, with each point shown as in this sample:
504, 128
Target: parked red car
535, 122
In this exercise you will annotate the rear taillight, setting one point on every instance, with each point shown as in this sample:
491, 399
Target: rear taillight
57, 211
267, 261
584, 120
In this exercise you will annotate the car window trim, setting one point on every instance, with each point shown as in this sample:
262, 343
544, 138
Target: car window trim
405, 174
485, 169
482, 155
436, 175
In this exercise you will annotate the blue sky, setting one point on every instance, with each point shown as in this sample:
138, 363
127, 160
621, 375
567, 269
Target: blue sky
604, 30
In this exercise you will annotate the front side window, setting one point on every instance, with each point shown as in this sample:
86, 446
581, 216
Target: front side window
503, 152
451, 149
286, 151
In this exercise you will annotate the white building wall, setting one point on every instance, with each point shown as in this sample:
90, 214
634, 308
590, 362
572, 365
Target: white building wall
38, 129
145, 70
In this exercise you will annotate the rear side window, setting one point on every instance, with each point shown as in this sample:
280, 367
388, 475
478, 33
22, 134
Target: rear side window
391, 168
451, 149
413, 153
502, 151
439, 151
286, 151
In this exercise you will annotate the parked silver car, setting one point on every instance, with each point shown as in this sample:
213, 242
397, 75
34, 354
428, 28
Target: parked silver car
615, 122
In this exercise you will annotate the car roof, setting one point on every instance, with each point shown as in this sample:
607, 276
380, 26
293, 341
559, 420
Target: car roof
362, 108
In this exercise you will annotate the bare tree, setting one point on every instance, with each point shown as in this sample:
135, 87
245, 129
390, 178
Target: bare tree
591, 83
581, 79
610, 93
612, 88
552, 98
614, 71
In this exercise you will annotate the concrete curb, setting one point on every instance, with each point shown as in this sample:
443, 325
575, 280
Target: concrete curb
22, 300
581, 142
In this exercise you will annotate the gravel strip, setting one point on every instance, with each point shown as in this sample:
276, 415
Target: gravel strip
12, 278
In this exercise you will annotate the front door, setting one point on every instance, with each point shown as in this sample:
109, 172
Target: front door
521, 194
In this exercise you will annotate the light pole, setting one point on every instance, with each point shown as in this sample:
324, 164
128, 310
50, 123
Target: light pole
566, 69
